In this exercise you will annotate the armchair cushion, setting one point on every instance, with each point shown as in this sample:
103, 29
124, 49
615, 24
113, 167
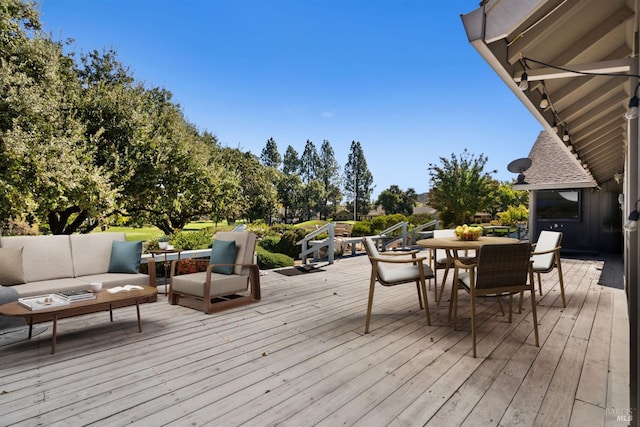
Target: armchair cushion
223, 252
125, 257
11, 267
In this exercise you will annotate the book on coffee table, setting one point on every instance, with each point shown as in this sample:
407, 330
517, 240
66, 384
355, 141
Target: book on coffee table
76, 295
125, 288
42, 302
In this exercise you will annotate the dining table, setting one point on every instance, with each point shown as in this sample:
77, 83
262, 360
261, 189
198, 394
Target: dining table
453, 246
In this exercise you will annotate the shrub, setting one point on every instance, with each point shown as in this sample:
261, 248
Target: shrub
268, 260
362, 228
259, 228
288, 243
514, 214
187, 240
269, 243
419, 219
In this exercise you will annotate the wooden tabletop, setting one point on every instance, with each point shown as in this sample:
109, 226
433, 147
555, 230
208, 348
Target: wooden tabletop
455, 243
102, 300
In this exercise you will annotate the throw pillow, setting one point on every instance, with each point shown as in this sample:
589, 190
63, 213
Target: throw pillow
11, 267
223, 252
125, 257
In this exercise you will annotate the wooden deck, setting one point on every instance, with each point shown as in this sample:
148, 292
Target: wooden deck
299, 358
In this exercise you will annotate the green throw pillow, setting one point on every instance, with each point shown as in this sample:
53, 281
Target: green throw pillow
11, 267
223, 252
125, 257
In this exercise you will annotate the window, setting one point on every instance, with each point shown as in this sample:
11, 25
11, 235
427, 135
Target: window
558, 205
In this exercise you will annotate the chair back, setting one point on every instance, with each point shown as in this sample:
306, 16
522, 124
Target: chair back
246, 247
372, 252
547, 241
503, 265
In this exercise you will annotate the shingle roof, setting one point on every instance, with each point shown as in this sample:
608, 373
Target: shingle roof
554, 166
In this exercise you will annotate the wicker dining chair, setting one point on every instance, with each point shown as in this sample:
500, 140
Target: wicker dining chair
499, 270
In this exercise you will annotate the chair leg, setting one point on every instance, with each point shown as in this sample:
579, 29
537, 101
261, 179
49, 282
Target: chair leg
473, 323
510, 307
559, 265
539, 283
535, 316
419, 294
426, 302
372, 285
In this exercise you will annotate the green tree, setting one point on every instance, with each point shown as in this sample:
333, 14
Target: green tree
47, 174
394, 200
329, 177
290, 194
290, 161
502, 196
459, 187
270, 155
309, 163
358, 180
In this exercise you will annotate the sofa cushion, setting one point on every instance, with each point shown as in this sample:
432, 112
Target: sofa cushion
50, 286
11, 266
43, 257
223, 252
91, 253
125, 257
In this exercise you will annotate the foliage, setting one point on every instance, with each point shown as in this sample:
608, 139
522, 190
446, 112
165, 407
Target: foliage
383, 222
309, 163
419, 219
394, 200
187, 240
329, 177
514, 215
502, 196
269, 156
358, 181
259, 228
269, 242
361, 228
268, 260
290, 161
460, 187
288, 243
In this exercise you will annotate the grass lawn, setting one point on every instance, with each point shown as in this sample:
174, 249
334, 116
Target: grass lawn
148, 233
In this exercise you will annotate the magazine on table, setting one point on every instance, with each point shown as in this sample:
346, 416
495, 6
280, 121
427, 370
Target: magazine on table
77, 294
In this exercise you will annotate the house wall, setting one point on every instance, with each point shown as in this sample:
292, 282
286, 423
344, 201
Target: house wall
599, 229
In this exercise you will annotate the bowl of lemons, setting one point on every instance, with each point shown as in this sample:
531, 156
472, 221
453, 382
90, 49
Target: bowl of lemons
466, 232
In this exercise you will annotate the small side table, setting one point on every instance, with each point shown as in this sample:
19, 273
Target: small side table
166, 262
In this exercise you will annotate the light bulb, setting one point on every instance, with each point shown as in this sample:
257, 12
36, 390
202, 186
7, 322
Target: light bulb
544, 102
566, 137
632, 112
554, 126
524, 82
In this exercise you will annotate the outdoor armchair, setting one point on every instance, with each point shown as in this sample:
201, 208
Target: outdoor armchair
231, 272
395, 268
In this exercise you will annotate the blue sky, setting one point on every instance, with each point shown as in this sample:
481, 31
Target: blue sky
397, 75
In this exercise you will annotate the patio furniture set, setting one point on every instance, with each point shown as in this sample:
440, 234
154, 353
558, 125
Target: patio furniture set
486, 267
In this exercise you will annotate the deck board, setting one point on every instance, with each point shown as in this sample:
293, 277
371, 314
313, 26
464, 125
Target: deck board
300, 357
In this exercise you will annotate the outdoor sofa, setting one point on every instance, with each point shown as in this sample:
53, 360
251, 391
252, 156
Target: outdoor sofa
37, 265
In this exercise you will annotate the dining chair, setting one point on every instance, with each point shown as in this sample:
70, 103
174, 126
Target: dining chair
439, 260
499, 270
395, 268
546, 256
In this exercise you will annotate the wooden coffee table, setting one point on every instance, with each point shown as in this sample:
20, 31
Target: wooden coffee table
104, 301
